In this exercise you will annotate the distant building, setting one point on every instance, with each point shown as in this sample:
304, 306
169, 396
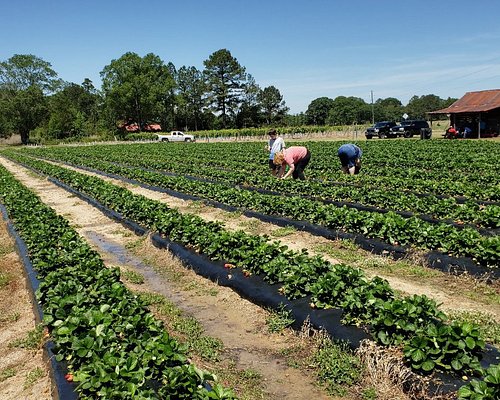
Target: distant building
479, 111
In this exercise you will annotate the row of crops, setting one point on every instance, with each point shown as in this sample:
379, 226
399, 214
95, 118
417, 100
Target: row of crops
463, 223
236, 174
112, 345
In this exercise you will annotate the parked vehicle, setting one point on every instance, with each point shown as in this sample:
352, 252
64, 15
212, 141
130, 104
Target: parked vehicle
410, 128
380, 129
176, 136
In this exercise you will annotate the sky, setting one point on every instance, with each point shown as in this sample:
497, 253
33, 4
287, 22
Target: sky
305, 48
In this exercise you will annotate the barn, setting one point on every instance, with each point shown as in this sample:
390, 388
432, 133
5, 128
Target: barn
479, 111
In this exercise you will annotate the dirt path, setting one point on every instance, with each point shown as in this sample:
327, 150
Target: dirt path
237, 322
23, 370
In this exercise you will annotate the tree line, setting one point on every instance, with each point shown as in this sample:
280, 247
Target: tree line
35, 101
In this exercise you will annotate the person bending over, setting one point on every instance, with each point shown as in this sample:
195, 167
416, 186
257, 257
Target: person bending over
350, 158
297, 158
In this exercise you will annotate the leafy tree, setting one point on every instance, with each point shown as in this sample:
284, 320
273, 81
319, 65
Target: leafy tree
418, 106
225, 79
73, 110
168, 100
249, 111
25, 80
138, 88
388, 109
295, 119
191, 95
26, 110
318, 111
22, 71
272, 103
348, 110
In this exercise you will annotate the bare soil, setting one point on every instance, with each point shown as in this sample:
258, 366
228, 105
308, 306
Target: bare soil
238, 323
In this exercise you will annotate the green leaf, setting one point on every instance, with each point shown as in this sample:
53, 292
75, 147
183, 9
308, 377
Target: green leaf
428, 365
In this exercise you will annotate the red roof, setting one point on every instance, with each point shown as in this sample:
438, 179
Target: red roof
484, 100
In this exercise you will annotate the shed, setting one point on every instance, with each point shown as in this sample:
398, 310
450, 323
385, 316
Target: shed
479, 111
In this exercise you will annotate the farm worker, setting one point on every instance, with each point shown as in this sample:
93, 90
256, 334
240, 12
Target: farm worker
297, 158
350, 158
275, 145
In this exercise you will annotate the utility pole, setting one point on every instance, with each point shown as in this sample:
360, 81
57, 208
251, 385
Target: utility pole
373, 112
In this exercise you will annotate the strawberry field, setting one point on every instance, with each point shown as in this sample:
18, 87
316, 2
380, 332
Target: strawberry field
436, 200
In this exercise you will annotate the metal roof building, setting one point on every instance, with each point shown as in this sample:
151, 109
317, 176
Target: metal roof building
479, 111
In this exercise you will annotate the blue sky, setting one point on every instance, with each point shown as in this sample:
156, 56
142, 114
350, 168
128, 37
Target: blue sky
305, 48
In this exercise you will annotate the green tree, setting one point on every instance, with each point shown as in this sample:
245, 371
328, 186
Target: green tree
167, 110
191, 95
272, 104
137, 88
389, 109
249, 111
25, 80
418, 107
295, 119
225, 79
318, 110
26, 110
73, 110
348, 110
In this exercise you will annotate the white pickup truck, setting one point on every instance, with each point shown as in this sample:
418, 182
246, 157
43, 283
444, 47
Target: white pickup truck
176, 136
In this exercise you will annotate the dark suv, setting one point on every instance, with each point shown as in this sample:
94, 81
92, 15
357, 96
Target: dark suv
411, 128
381, 129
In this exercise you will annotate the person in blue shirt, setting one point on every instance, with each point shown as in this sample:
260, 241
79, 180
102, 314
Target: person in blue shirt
350, 158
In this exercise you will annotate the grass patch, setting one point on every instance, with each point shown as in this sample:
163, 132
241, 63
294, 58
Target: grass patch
279, 319
284, 231
336, 366
341, 250
200, 289
33, 339
13, 317
4, 279
123, 232
135, 244
186, 327
229, 215
5, 249
133, 277
338, 370
33, 376
195, 205
7, 373
248, 383
252, 225
250, 374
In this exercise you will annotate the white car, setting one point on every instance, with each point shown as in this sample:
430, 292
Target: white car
176, 136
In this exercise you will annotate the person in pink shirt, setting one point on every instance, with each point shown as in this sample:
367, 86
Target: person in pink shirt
297, 158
